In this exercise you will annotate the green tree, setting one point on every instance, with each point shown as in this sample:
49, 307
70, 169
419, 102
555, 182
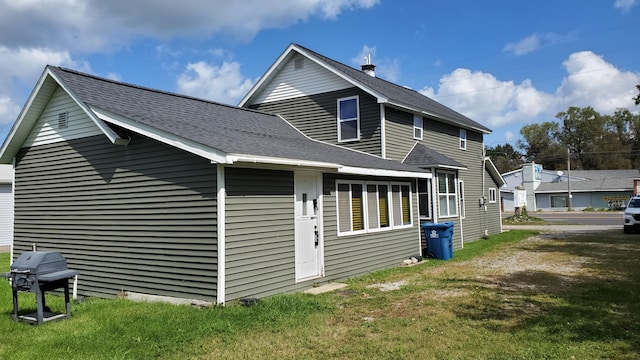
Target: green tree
637, 98
505, 157
582, 130
540, 144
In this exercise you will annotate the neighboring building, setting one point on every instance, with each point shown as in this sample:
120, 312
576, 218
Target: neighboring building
540, 189
149, 192
6, 205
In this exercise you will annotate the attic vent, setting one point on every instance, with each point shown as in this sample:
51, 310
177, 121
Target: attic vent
63, 120
299, 63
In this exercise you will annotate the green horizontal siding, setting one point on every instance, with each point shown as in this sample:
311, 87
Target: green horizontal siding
139, 218
260, 238
353, 255
316, 116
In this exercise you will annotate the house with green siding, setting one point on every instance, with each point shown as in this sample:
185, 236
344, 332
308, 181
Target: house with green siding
337, 104
156, 194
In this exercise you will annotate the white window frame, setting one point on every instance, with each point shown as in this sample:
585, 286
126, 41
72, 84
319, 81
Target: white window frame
461, 198
446, 211
356, 119
418, 126
463, 139
390, 206
429, 198
493, 197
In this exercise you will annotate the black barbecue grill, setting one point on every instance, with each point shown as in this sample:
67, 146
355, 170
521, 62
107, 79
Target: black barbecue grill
38, 272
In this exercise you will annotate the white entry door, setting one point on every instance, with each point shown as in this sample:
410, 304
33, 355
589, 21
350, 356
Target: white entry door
307, 226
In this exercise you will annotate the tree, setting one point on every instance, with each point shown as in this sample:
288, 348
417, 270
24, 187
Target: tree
505, 157
541, 145
637, 98
582, 129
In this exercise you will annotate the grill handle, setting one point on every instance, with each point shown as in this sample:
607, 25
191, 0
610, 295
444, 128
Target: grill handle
20, 271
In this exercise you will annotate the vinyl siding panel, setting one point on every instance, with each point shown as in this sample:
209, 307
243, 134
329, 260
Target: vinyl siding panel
46, 130
139, 218
260, 238
6, 214
354, 255
398, 133
307, 79
316, 116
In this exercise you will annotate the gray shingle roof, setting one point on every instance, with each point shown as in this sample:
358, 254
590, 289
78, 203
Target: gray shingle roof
400, 95
594, 180
226, 128
425, 157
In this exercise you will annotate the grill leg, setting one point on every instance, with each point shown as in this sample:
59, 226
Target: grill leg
15, 304
66, 298
39, 305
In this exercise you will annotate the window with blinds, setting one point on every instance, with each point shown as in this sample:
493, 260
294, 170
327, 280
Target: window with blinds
372, 206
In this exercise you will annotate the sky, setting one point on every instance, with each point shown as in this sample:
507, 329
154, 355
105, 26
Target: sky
502, 63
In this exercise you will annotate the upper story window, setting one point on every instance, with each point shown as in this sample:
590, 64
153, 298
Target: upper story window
417, 127
447, 194
463, 139
348, 119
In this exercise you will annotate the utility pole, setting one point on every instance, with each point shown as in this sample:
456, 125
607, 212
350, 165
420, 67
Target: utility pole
569, 179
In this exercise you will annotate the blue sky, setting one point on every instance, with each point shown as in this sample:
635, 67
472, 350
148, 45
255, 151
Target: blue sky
503, 63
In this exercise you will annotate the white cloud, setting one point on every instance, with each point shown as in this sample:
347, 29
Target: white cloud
624, 5
590, 81
536, 41
484, 98
388, 69
223, 83
19, 70
594, 82
98, 25
509, 136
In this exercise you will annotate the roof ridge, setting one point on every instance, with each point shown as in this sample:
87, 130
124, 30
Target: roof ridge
155, 90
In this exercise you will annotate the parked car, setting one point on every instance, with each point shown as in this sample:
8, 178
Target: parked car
632, 215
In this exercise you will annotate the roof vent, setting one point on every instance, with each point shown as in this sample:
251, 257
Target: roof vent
63, 120
368, 68
298, 63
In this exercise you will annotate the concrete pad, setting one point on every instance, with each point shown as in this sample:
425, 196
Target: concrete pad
325, 288
6, 248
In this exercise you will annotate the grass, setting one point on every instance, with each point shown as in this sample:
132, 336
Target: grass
577, 297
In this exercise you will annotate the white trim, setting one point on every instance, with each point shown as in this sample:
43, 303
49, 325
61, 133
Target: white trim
340, 120
365, 206
221, 230
495, 195
235, 158
463, 139
421, 127
379, 172
162, 136
383, 131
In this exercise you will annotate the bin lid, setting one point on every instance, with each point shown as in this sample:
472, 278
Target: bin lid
443, 225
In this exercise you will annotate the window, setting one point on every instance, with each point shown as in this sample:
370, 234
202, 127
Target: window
424, 198
372, 206
559, 201
447, 194
493, 195
348, 119
417, 127
461, 192
463, 139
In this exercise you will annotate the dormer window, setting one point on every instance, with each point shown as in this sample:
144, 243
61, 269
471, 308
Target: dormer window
417, 127
463, 139
348, 119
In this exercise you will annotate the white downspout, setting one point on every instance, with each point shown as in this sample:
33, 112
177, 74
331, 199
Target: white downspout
221, 201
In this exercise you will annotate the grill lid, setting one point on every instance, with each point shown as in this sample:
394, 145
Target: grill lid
39, 262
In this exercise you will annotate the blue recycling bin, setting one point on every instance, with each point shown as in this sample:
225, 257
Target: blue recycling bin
439, 239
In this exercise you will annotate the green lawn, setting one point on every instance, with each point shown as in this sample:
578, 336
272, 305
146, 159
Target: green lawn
578, 298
